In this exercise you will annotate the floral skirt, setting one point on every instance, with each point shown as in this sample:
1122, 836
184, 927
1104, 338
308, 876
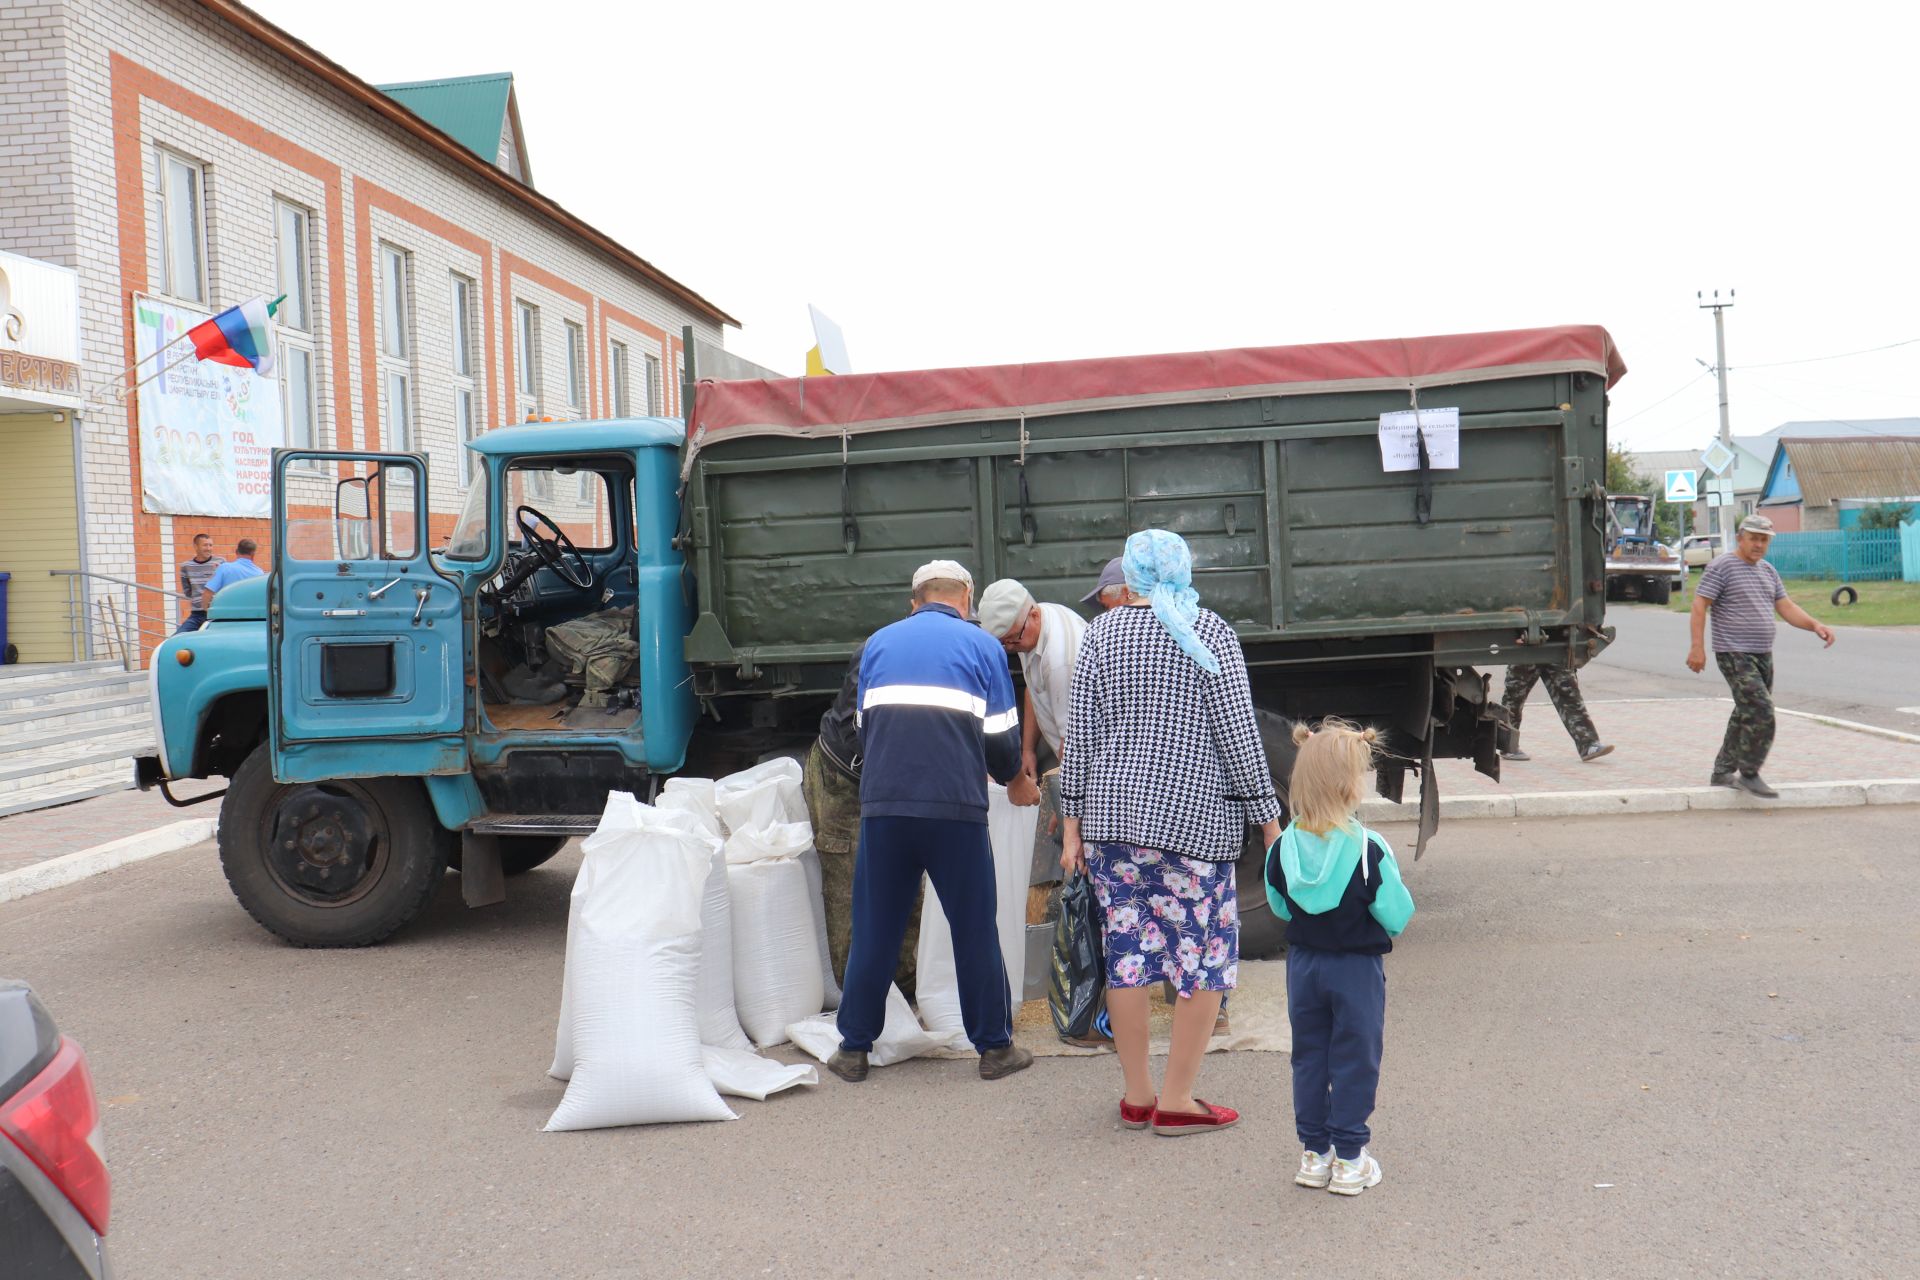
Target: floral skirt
1168, 918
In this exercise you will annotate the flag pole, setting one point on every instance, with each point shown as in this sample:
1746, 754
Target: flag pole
164, 369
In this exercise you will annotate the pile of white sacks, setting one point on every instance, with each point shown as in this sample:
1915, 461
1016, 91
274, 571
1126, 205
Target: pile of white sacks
697, 931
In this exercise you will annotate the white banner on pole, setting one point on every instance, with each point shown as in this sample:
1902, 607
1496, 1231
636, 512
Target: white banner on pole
207, 431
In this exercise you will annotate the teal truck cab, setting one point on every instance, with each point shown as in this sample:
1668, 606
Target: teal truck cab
617, 601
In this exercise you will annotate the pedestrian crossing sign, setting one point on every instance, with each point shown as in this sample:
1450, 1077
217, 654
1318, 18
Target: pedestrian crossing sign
1681, 488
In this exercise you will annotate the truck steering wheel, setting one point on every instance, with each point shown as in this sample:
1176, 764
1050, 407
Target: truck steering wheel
557, 551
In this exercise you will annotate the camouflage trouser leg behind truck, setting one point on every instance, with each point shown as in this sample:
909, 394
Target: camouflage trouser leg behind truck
1750, 727
833, 806
1564, 688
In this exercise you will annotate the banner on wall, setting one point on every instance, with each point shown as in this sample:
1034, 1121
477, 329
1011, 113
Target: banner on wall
207, 431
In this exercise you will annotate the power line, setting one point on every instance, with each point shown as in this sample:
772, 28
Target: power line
1663, 399
1864, 351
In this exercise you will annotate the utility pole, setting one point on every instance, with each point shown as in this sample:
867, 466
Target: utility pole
1719, 309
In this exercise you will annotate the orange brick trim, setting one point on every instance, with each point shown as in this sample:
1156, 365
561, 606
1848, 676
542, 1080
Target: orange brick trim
366, 197
626, 319
132, 85
512, 266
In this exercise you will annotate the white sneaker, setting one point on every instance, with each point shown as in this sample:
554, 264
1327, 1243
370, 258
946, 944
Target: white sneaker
1351, 1177
1316, 1170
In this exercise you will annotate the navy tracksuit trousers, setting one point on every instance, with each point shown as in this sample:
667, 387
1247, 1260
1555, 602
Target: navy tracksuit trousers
958, 858
1337, 1003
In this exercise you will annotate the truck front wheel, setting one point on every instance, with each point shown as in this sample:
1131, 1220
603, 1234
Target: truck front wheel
329, 864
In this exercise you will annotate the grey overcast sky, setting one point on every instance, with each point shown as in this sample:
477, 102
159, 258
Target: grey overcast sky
996, 182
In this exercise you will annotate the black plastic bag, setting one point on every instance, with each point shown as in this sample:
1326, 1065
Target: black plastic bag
1077, 977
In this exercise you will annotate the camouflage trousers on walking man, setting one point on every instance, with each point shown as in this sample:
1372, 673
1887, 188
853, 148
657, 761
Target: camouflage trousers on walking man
833, 806
1564, 689
1750, 727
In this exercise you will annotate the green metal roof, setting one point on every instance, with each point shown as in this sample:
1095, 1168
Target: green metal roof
472, 110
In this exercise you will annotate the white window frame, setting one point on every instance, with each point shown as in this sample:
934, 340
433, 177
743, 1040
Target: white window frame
167, 202
394, 316
576, 365
460, 297
294, 325
620, 397
526, 361
652, 365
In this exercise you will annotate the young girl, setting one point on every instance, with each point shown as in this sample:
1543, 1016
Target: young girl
1338, 888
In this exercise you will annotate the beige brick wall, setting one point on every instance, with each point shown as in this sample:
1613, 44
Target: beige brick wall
36, 159
59, 93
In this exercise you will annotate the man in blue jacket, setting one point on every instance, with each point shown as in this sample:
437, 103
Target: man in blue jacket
936, 717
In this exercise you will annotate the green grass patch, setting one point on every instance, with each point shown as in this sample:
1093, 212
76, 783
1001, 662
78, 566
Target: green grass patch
1881, 604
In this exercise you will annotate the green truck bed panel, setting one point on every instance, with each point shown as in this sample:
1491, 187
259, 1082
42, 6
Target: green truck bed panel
1296, 531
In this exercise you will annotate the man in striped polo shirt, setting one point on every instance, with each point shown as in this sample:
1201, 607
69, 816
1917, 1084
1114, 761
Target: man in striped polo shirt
1744, 593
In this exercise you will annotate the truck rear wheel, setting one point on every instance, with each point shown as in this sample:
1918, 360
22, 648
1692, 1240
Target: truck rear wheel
518, 854
1263, 934
329, 864
1659, 590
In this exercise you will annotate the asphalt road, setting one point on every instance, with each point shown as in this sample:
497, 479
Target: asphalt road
1871, 675
1653, 1046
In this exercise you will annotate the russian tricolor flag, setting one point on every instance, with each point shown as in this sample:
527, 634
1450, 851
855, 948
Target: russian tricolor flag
240, 336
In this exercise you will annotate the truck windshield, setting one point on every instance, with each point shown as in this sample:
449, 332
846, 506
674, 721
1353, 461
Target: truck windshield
469, 540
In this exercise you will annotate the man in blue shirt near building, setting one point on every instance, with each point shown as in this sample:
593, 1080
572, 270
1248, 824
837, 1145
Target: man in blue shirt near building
239, 569
936, 717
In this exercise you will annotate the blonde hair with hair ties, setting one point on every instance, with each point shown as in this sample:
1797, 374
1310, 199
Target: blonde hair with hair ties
1330, 773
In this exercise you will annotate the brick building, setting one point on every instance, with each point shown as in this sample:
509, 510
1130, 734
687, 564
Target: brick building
187, 155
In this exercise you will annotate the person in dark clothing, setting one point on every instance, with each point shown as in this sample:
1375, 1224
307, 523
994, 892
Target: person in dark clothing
830, 781
1337, 886
936, 717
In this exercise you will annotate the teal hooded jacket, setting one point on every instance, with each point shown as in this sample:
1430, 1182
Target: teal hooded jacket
1340, 891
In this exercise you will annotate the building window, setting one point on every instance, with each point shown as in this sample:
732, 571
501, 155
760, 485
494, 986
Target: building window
296, 389
526, 360
653, 385
576, 366
183, 240
293, 280
396, 349
617, 379
464, 364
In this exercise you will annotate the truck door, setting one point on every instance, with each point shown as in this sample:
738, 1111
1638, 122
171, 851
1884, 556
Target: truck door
366, 651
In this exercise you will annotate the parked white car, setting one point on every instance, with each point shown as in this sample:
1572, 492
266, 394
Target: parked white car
1700, 549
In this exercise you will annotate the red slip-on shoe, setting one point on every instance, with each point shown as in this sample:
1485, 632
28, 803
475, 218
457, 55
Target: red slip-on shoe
1132, 1117
1178, 1124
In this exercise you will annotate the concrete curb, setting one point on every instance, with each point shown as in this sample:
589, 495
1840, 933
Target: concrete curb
64, 870
1582, 804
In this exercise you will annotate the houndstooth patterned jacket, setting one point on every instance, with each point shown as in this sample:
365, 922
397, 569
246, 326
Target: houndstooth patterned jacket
1161, 753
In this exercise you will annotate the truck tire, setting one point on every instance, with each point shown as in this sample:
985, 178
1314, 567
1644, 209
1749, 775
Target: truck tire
521, 854
518, 854
1263, 934
332, 864
1659, 590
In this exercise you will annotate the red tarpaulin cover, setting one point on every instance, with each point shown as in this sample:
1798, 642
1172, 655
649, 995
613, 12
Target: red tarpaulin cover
863, 402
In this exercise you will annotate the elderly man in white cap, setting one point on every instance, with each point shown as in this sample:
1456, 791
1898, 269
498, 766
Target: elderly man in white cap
936, 717
1047, 638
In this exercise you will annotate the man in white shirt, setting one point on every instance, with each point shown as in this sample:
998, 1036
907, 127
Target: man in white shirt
1047, 638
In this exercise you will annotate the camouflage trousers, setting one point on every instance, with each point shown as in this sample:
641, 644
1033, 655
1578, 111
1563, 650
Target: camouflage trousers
1564, 688
833, 807
1750, 727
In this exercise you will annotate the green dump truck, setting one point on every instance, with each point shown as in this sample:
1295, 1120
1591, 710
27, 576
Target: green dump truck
621, 601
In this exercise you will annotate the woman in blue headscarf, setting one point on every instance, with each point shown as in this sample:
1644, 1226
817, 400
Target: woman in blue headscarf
1161, 774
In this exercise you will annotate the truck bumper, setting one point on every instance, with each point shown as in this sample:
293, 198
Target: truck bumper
1636, 569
